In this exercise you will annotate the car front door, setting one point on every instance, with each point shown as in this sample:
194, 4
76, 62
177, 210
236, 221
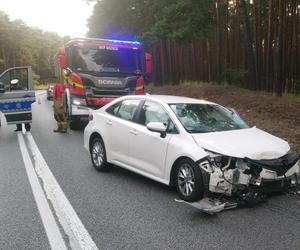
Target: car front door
147, 150
16, 95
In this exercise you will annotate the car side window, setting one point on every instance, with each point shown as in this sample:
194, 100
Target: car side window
113, 110
127, 109
21, 79
153, 112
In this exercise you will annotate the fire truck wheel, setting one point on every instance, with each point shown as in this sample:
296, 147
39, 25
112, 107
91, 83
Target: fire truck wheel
98, 155
74, 123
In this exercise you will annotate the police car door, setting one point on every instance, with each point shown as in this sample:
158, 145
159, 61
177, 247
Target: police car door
16, 95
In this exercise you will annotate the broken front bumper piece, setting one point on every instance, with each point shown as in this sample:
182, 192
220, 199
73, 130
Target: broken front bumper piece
210, 206
214, 204
247, 198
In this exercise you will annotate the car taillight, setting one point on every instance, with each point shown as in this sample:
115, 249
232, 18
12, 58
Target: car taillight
139, 88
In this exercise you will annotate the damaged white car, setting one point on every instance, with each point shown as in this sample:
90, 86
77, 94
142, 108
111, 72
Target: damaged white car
212, 157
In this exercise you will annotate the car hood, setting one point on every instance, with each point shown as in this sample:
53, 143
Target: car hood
251, 142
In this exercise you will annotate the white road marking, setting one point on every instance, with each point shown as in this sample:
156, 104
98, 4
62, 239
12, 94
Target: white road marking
73, 227
52, 230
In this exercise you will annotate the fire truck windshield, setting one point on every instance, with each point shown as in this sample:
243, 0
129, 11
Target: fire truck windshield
105, 59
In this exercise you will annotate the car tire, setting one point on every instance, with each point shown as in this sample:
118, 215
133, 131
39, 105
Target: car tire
98, 155
189, 180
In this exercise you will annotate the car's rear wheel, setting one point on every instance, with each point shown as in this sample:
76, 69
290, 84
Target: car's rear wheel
189, 181
98, 155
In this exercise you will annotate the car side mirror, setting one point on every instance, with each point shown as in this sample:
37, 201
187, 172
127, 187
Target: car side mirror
67, 72
14, 81
62, 58
157, 127
2, 89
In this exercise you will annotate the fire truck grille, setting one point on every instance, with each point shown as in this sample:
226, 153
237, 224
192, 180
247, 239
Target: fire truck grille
110, 92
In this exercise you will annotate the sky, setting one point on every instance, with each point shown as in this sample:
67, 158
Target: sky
65, 17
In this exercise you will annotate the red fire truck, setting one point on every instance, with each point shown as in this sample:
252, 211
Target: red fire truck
96, 71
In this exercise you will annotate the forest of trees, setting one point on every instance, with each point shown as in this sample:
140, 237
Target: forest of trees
251, 43
21, 45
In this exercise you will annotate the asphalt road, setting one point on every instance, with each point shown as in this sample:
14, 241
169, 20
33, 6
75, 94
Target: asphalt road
121, 210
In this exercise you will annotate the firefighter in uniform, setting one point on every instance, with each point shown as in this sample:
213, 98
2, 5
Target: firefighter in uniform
59, 115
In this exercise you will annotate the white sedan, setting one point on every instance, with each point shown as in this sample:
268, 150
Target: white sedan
197, 146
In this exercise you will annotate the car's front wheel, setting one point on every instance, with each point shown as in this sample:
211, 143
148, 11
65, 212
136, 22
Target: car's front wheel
189, 181
98, 155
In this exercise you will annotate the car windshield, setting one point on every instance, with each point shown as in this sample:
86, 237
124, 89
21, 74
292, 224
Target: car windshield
106, 59
204, 118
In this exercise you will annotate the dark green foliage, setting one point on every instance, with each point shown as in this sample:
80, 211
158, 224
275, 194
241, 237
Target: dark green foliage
21, 45
255, 44
117, 19
181, 20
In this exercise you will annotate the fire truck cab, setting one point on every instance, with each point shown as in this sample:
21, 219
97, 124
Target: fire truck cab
96, 71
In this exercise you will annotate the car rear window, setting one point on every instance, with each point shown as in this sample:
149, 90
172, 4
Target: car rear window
125, 109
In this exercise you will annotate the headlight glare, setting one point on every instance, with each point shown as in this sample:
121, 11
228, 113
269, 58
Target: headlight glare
79, 101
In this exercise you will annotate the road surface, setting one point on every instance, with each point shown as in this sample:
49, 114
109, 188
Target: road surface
51, 197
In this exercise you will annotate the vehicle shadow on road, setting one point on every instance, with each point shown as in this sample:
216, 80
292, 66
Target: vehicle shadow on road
80, 126
137, 179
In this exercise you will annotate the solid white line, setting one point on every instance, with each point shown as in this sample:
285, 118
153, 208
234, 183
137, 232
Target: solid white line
69, 220
54, 236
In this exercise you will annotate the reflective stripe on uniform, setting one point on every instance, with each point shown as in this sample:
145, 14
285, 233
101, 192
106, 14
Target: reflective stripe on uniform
75, 84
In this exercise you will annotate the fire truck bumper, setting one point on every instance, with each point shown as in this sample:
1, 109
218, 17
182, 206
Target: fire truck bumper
100, 101
80, 110
93, 103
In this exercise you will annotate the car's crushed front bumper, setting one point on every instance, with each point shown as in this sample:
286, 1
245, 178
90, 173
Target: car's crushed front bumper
231, 182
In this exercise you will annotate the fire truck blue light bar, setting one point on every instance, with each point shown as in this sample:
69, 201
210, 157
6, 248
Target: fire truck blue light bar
121, 41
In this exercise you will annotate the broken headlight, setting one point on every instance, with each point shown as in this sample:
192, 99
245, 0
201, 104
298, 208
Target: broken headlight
220, 161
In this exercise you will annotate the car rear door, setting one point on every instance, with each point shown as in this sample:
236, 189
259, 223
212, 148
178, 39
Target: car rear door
118, 126
148, 150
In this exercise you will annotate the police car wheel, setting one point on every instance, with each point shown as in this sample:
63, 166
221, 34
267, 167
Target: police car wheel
98, 155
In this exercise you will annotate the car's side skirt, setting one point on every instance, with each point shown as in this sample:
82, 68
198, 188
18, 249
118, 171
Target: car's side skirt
132, 169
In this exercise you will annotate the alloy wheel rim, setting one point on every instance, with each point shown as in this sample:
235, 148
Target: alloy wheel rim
186, 179
98, 154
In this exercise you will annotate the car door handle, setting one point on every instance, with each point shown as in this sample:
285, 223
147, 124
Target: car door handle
134, 132
109, 122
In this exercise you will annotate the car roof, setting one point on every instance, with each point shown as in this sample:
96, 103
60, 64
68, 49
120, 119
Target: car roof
169, 99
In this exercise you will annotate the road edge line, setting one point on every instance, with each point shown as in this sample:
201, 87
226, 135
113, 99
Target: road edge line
51, 228
78, 235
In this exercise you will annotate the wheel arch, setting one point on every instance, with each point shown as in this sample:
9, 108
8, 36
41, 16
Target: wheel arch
173, 169
92, 137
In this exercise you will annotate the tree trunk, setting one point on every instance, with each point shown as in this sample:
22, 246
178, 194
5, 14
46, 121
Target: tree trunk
249, 38
280, 70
